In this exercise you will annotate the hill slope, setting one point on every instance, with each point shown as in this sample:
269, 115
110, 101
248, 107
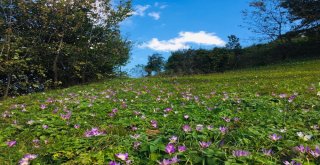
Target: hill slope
254, 116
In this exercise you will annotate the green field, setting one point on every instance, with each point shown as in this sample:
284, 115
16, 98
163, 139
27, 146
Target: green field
267, 115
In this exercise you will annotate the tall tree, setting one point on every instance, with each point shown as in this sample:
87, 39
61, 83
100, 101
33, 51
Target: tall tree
267, 18
307, 12
234, 46
155, 63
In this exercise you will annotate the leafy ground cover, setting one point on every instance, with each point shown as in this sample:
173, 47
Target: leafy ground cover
268, 115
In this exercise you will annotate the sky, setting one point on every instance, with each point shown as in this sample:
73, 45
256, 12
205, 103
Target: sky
163, 26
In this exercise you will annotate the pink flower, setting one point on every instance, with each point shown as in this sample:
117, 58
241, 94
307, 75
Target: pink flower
154, 123
275, 137
11, 143
186, 128
170, 148
204, 144
122, 156
182, 148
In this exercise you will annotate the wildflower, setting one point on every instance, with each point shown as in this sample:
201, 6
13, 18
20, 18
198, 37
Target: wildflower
66, 116
165, 162
93, 132
115, 110
315, 153
136, 136
275, 137
291, 98
170, 148
173, 139
199, 127
240, 153
182, 148
302, 149
236, 119
226, 119
27, 158
11, 143
122, 156
174, 160
113, 163
186, 117
223, 130
154, 123
283, 95
267, 152
291, 163
136, 145
186, 128
45, 126
204, 144
76, 126
168, 110
210, 127
43, 106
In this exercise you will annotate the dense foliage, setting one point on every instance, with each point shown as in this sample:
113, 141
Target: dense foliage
50, 43
265, 116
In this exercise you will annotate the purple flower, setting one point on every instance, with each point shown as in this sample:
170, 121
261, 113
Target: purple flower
27, 158
226, 119
302, 149
93, 132
315, 153
267, 152
173, 139
66, 116
174, 160
283, 95
291, 163
45, 126
168, 110
115, 110
43, 106
223, 130
113, 163
136, 145
165, 162
182, 148
186, 128
240, 153
76, 126
275, 137
199, 127
154, 123
291, 98
204, 144
122, 156
170, 148
11, 143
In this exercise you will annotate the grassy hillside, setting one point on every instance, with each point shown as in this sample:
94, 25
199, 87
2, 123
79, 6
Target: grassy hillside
267, 115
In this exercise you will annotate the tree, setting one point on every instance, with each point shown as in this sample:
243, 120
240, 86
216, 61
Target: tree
138, 71
51, 42
307, 12
268, 19
234, 46
155, 63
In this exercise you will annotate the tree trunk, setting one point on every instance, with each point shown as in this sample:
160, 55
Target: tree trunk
6, 92
55, 65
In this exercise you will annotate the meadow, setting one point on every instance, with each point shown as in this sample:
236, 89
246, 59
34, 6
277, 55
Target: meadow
267, 115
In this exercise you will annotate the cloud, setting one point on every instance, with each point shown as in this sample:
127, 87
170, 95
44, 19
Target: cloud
157, 4
183, 41
139, 10
154, 15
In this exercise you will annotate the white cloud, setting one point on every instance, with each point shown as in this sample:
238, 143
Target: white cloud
154, 15
183, 41
140, 10
157, 4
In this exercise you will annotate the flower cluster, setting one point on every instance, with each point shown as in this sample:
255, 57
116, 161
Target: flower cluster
27, 158
93, 132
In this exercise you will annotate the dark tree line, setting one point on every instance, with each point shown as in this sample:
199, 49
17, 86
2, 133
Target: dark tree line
46, 44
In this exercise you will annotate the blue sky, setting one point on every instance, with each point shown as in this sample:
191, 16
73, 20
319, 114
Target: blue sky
158, 26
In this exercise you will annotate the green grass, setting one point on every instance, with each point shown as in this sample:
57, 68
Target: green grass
251, 95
